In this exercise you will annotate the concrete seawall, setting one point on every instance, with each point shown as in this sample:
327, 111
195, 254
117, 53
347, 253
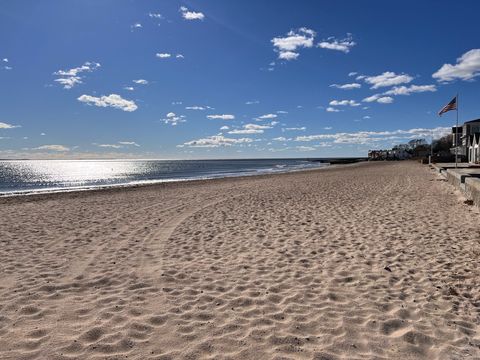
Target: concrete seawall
472, 189
465, 179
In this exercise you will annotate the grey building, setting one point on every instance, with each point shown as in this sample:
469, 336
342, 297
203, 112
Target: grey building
463, 137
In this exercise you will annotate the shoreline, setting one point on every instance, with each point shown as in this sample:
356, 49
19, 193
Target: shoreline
153, 183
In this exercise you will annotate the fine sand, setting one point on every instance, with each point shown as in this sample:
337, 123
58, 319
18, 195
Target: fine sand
370, 261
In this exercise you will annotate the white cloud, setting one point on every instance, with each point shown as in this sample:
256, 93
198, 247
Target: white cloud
69, 78
327, 128
113, 146
385, 100
343, 103
280, 138
216, 141
86, 67
282, 112
287, 46
288, 55
196, 107
129, 88
112, 100
366, 117
133, 143
305, 148
251, 129
466, 68
69, 82
352, 73
245, 131
8, 126
141, 81
168, 55
343, 45
58, 148
225, 127
347, 86
303, 128
407, 90
221, 117
5, 60
155, 15
173, 119
372, 98
379, 98
119, 145
191, 15
332, 109
136, 26
252, 102
268, 116
388, 78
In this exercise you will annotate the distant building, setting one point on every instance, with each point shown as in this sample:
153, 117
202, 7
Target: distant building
463, 140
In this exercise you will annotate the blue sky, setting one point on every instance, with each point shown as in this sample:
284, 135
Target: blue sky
221, 79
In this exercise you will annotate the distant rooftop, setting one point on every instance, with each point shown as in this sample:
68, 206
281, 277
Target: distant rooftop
471, 121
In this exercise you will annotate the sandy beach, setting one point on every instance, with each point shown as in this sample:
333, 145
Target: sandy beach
365, 261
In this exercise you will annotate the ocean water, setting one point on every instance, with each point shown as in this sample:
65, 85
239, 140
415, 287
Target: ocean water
32, 176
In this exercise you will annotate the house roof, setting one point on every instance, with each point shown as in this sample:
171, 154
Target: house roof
472, 121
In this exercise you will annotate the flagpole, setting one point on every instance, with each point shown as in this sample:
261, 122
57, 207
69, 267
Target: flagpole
456, 140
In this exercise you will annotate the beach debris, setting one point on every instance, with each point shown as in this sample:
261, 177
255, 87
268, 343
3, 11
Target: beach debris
468, 202
387, 268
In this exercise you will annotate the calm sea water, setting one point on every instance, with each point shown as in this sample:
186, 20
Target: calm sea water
31, 176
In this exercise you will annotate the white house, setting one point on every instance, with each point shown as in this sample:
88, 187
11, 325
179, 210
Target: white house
474, 149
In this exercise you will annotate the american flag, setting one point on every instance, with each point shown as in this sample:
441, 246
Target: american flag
452, 105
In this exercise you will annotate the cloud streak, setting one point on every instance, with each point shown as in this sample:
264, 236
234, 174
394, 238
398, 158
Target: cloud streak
388, 78
112, 100
8, 126
252, 129
215, 141
347, 86
191, 15
71, 77
57, 148
344, 103
343, 45
221, 117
